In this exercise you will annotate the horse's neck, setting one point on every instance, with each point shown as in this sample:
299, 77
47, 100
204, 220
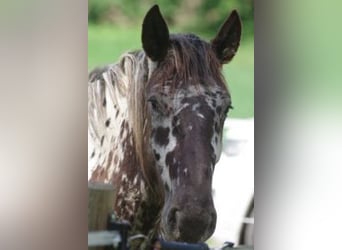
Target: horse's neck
112, 154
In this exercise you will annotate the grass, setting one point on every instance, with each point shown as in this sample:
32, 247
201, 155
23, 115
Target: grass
107, 43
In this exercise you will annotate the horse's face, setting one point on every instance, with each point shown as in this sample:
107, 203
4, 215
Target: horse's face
186, 142
187, 115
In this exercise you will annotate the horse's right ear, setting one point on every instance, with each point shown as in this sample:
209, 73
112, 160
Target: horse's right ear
155, 35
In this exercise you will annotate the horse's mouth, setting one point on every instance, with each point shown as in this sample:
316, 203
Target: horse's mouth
177, 237
190, 236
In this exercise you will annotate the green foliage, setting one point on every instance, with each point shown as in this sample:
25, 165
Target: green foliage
169, 9
97, 10
106, 43
203, 16
214, 13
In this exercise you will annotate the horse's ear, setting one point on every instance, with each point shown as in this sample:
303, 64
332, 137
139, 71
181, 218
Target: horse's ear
155, 35
227, 40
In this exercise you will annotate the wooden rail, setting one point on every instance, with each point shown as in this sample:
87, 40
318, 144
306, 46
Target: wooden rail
100, 205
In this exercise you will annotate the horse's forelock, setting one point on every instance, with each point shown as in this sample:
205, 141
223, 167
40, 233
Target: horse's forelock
190, 61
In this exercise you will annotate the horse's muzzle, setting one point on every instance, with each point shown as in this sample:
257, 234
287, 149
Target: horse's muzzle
191, 224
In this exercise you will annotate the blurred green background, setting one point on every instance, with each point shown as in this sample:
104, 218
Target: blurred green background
114, 27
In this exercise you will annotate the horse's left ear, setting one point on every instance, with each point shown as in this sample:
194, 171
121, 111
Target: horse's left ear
155, 35
227, 40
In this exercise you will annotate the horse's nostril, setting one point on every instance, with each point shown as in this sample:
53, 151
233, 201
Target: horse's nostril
212, 224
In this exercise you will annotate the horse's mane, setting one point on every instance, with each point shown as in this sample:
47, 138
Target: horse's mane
126, 80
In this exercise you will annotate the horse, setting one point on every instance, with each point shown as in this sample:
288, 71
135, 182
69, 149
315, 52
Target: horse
155, 122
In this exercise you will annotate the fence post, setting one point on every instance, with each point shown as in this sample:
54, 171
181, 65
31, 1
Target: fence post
100, 205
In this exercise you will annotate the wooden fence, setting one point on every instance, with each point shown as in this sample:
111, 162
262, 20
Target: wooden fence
100, 206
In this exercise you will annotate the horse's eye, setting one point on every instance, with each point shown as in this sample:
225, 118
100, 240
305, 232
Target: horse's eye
227, 110
156, 105
178, 131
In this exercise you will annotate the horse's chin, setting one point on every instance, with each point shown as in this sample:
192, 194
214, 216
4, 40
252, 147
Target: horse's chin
176, 236
187, 240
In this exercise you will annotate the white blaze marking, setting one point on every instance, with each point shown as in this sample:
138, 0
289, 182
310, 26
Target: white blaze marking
166, 177
164, 150
200, 115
